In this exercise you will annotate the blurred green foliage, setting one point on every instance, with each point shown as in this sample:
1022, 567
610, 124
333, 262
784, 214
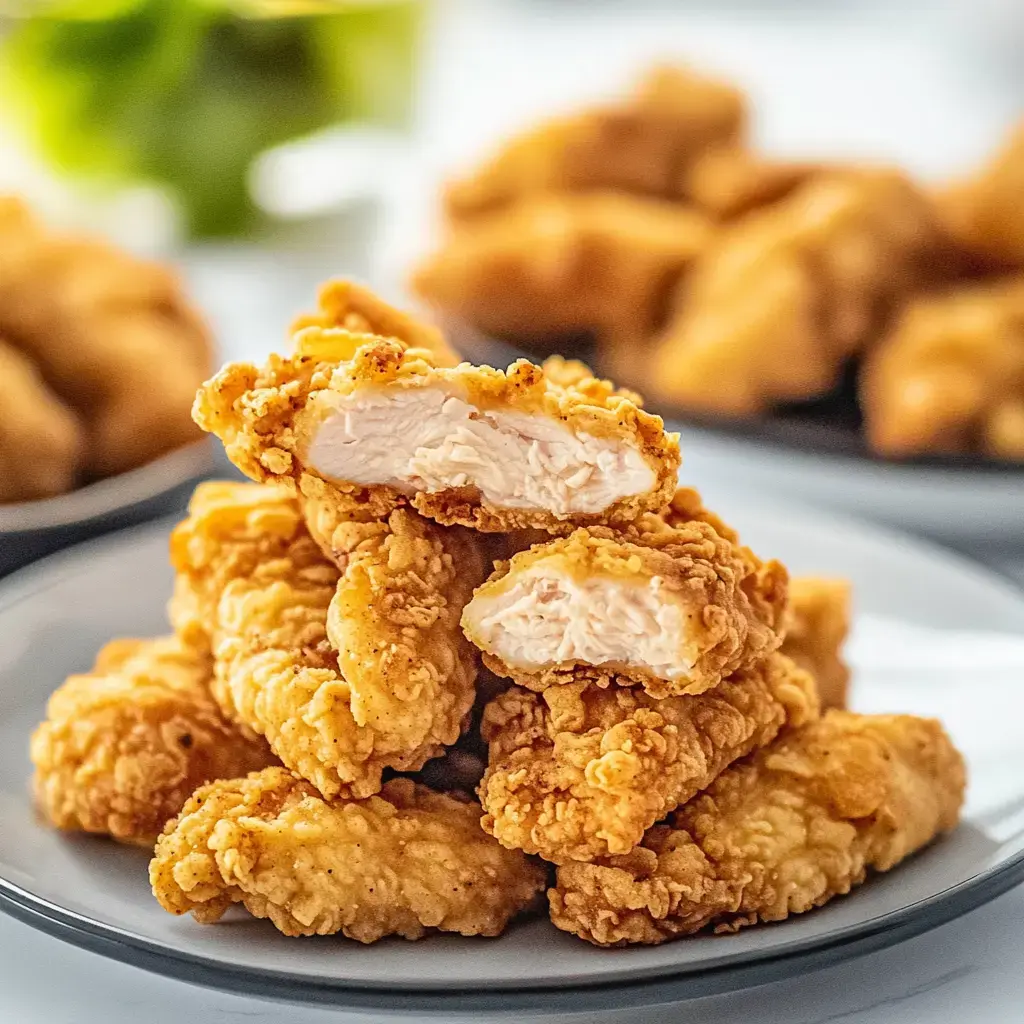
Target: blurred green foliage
184, 93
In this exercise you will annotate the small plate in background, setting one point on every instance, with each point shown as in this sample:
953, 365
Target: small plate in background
31, 529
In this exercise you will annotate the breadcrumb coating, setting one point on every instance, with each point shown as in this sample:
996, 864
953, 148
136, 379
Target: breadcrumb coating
347, 666
818, 622
578, 773
401, 863
356, 309
949, 377
640, 144
785, 831
784, 296
267, 419
124, 745
41, 439
735, 602
563, 264
112, 336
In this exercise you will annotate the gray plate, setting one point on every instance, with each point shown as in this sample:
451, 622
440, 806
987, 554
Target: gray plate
53, 618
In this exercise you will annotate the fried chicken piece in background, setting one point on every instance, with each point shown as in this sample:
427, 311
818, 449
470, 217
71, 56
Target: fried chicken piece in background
401, 863
674, 609
348, 671
984, 213
818, 624
41, 440
949, 377
780, 833
355, 308
126, 744
729, 180
566, 264
578, 772
640, 144
784, 296
383, 427
112, 336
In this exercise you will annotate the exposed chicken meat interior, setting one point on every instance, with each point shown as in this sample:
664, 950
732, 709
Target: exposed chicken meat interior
544, 616
432, 439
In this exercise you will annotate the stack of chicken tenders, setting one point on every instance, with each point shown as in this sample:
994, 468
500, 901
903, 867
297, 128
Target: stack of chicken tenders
439, 562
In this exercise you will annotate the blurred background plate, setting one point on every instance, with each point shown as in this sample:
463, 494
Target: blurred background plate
31, 529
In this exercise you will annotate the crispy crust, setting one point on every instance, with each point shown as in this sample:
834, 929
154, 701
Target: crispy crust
949, 376
355, 308
785, 295
265, 419
112, 336
580, 773
562, 264
401, 863
818, 621
640, 144
741, 599
780, 833
348, 665
124, 746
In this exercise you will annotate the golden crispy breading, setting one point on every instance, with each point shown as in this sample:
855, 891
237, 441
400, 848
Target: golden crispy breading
560, 605
125, 745
112, 336
780, 833
949, 377
400, 863
355, 308
775, 306
578, 772
42, 444
244, 527
818, 623
554, 265
984, 213
729, 180
271, 421
345, 671
639, 144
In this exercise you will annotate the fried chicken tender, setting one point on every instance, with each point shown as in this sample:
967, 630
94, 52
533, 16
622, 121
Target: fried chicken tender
112, 336
984, 212
783, 832
346, 671
730, 180
674, 609
490, 449
578, 772
818, 623
399, 863
125, 745
358, 310
949, 377
41, 439
785, 295
562, 264
639, 144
